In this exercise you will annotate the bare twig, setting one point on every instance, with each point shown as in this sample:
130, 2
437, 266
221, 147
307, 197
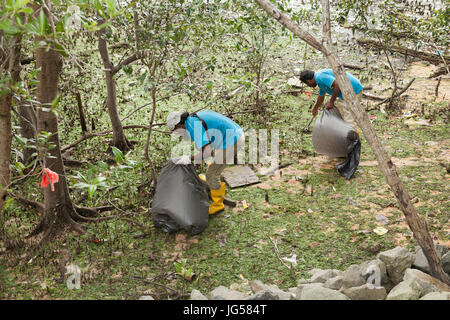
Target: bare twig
278, 253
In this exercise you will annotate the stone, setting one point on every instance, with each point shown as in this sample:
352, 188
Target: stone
293, 291
323, 275
264, 294
146, 298
242, 287
257, 286
352, 277
405, 290
197, 295
436, 296
397, 260
334, 283
426, 282
445, 262
223, 293
316, 291
366, 292
302, 281
374, 272
421, 262
239, 176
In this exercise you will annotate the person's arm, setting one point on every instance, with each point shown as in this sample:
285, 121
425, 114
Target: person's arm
319, 102
335, 94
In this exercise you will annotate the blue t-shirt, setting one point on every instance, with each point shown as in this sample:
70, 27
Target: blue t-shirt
222, 131
325, 78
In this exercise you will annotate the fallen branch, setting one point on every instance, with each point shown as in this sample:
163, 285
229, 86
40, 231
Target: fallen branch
352, 66
105, 133
397, 94
441, 71
370, 96
431, 57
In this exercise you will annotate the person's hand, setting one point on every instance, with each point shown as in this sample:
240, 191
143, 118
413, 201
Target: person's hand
314, 111
329, 105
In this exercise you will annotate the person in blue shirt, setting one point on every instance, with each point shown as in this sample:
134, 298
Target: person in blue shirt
211, 132
326, 81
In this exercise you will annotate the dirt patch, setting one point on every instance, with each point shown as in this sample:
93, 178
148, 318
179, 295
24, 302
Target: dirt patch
424, 88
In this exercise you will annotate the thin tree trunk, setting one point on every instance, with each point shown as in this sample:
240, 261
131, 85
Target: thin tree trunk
27, 122
13, 69
58, 207
385, 164
81, 112
119, 139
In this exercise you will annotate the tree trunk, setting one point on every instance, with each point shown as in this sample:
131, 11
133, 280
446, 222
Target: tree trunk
59, 210
13, 70
119, 139
385, 164
81, 112
27, 122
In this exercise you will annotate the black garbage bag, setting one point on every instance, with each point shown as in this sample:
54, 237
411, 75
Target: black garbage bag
181, 200
335, 138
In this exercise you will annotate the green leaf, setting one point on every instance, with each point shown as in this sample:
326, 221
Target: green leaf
21, 140
111, 7
8, 28
18, 4
118, 155
56, 100
33, 27
43, 23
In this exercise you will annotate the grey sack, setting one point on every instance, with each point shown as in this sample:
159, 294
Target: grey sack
181, 200
335, 138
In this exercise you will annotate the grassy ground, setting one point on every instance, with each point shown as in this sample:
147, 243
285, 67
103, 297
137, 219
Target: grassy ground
312, 212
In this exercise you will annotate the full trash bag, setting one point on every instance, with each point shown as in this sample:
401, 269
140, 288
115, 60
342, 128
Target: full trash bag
181, 200
335, 138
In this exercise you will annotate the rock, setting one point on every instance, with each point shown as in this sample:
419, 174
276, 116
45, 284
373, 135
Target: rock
405, 290
197, 295
223, 293
374, 272
146, 298
293, 291
264, 294
334, 283
397, 261
421, 262
302, 281
366, 292
426, 282
445, 262
315, 291
436, 296
242, 287
257, 286
323, 275
352, 277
